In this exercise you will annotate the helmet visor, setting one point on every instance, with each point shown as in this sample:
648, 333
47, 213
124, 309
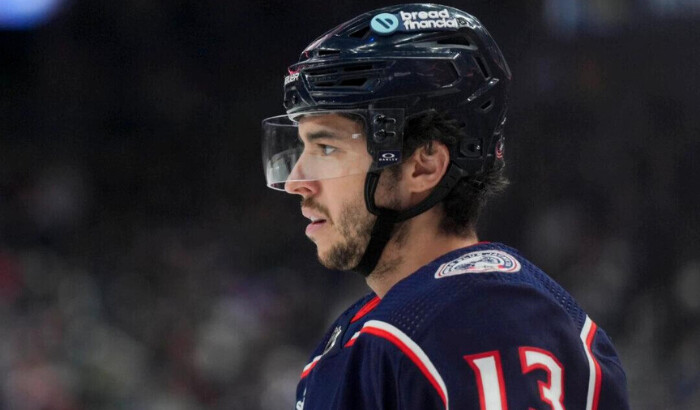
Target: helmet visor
314, 146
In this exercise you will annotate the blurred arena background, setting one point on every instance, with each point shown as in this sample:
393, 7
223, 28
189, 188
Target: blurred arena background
145, 265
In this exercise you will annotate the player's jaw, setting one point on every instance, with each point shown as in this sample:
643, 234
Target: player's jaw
341, 239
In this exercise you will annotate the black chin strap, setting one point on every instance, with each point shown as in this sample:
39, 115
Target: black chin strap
387, 218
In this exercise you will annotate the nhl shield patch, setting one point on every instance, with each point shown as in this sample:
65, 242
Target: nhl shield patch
479, 262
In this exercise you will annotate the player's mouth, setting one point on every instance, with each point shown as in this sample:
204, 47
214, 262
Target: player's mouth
315, 225
316, 217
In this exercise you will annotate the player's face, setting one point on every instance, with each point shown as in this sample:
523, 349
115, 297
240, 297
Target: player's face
340, 223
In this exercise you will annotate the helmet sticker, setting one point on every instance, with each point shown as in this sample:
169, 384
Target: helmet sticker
410, 21
384, 23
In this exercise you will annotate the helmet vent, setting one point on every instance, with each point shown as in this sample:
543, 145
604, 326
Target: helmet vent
358, 67
455, 40
321, 71
486, 107
360, 32
344, 75
347, 82
327, 52
345, 68
482, 67
353, 82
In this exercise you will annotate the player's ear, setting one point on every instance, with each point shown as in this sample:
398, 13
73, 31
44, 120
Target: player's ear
426, 167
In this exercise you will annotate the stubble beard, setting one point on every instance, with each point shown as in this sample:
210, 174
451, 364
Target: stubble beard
355, 227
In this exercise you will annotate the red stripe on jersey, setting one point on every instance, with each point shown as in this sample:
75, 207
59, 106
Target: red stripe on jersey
408, 352
366, 309
310, 366
598, 372
352, 340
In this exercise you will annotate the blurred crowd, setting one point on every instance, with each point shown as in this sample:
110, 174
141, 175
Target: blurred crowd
144, 265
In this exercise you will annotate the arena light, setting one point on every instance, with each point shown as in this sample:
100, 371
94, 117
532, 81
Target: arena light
27, 14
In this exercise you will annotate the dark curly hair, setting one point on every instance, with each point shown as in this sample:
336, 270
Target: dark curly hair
464, 203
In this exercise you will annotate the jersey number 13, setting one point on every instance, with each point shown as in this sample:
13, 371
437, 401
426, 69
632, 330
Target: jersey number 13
489, 377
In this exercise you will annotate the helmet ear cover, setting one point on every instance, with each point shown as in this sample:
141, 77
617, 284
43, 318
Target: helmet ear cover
385, 136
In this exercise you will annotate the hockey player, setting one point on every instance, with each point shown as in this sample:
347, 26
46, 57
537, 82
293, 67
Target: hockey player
393, 138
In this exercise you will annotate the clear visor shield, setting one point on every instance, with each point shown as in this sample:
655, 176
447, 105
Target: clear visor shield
317, 146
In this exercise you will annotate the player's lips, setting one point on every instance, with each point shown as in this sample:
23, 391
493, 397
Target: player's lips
314, 226
317, 221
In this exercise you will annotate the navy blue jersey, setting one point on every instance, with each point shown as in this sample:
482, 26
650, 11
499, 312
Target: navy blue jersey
478, 328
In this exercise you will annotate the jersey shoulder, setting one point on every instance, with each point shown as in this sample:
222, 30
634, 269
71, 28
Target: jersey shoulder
489, 306
483, 289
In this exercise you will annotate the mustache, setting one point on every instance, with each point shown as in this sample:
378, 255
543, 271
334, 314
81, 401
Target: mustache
310, 203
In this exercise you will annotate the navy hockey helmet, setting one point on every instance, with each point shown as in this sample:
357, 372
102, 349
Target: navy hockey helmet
385, 67
397, 62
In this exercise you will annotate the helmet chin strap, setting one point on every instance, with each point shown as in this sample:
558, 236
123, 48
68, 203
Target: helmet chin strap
387, 218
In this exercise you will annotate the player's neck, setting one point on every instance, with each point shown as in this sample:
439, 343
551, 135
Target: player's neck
418, 242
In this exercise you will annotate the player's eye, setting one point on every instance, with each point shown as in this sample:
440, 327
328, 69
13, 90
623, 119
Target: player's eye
327, 149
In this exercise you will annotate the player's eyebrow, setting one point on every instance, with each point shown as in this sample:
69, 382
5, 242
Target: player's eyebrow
321, 134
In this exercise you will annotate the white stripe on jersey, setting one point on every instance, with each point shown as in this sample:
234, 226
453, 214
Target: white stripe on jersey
594, 376
416, 353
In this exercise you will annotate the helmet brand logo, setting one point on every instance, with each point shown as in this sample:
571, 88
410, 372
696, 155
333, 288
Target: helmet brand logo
290, 78
384, 23
417, 20
385, 158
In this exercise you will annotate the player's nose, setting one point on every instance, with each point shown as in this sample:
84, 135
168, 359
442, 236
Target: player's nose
303, 188
298, 184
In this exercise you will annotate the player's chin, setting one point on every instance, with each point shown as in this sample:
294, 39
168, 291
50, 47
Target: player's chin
336, 265
325, 254
326, 261
323, 250
339, 257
